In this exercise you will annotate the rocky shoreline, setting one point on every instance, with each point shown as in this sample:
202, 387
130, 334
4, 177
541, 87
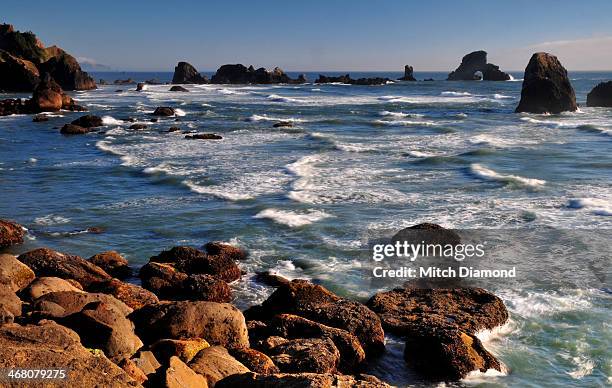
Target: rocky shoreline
179, 328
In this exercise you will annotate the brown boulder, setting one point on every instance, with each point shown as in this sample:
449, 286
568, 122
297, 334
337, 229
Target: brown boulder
132, 295
63, 303
145, 361
112, 263
47, 262
71, 129
271, 279
428, 233
178, 375
48, 96
546, 87
205, 287
204, 136
163, 111
185, 349
10, 304
215, 363
193, 261
217, 323
185, 73
14, 273
218, 248
133, 370
88, 121
305, 355
177, 88
254, 360
51, 346
11, 233
300, 380
45, 285
161, 278
138, 126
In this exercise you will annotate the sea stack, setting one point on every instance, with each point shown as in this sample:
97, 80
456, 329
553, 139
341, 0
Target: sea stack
601, 95
408, 76
546, 87
185, 73
474, 63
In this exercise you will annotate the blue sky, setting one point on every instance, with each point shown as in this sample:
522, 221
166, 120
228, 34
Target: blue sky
321, 35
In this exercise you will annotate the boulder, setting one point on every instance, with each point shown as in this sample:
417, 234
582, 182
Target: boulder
138, 126
193, 261
204, 136
177, 375
408, 74
185, 349
476, 62
305, 355
215, 363
145, 361
254, 360
40, 118
185, 73
127, 81
14, 273
133, 370
440, 327
71, 129
112, 263
18, 74
15, 106
283, 124
346, 79
271, 279
60, 304
88, 121
104, 326
178, 88
240, 74
174, 129
161, 278
428, 233
47, 262
546, 87
48, 96
601, 95
141, 86
51, 346
218, 323
300, 380
10, 304
11, 233
204, 287
45, 285
218, 248
132, 295
163, 111
314, 302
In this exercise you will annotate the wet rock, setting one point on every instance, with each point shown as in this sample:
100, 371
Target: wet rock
177, 375
112, 263
601, 95
127, 81
429, 233
178, 88
185, 349
71, 129
283, 124
271, 279
440, 326
240, 74
193, 261
254, 360
47, 262
132, 295
306, 355
474, 64
60, 304
163, 111
300, 380
218, 248
185, 73
104, 326
204, 136
546, 87
218, 323
163, 279
408, 74
49, 346
141, 86
40, 118
47, 96
204, 287
15, 106
88, 121
45, 285
14, 273
316, 303
346, 79
215, 363
11, 233
174, 129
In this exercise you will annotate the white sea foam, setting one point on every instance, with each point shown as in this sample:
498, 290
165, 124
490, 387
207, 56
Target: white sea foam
264, 117
51, 219
499, 96
406, 123
531, 304
179, 112
584, 367
455, 94
500, 142
110, 120
277, 98
597, 206
488, 174
421, 154
217, 191
293, 218
399, 114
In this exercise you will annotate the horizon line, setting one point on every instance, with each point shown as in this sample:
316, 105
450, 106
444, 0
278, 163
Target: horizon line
321, 71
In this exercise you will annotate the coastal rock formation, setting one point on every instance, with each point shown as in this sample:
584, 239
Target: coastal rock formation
217, 323
215, 363
60, 304
47, 262
24, 59
178, 88
50, 346
185, 73
546, 87
477, 62
254, 360
601, 95
346, 79
408, 74
10, 304
45, 285
141, 86
132, 295
440, 327
176, 374
299, 380
164, 111
240, 74
14, 273
11, 233
185, 349
429, 233
204, 136
112, 263
88, 121
71, 129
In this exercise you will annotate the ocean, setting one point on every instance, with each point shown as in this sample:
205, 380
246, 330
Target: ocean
359, 162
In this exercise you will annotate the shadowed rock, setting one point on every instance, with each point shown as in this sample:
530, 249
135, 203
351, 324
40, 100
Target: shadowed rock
185, 73
113, 263
300, 380
11, 233
215, 363
476, 62
240, 74
408, 74
601, 95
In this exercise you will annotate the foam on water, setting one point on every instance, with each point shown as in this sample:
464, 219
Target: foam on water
486, 173
293, 218
110, 120
455, 94
597, 206
399, 114
406, 123
265, 117
51, 219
